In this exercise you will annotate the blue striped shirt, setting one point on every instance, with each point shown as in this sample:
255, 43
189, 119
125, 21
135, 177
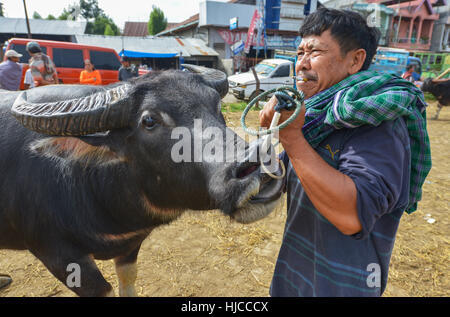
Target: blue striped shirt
315, 258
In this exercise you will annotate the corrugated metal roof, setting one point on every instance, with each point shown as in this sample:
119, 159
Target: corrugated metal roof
38, 26
157, 45
141, 28
196, 47
135, 29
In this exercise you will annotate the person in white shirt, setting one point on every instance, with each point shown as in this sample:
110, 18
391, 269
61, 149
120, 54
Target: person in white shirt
28, 81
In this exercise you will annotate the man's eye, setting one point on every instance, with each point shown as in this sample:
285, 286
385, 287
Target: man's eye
148, 122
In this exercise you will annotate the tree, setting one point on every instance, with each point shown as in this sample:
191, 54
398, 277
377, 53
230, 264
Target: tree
1, 9
99, 25
36, 16
71, 13
90, 9
109, 30
50, 17
157, 22
97, 20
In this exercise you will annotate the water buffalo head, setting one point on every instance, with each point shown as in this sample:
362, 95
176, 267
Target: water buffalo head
427, 85
165, 131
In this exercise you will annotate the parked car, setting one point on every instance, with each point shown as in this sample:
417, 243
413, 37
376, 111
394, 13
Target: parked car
271, 73
394, 61
69, 59
433, 63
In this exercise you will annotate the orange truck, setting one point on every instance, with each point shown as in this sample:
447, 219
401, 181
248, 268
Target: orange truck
69, 59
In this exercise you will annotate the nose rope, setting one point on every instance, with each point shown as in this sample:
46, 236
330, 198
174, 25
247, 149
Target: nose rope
285, 101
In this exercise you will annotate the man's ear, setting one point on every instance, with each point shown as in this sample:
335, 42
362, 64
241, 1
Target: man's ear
357, 58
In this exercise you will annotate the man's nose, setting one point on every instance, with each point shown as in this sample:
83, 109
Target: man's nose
303, 63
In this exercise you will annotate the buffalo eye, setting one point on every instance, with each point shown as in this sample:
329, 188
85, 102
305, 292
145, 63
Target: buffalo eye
148, 122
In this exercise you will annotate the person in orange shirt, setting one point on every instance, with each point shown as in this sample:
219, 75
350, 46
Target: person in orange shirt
90, 76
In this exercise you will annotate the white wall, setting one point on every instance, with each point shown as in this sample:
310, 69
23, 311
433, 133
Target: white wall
220, 13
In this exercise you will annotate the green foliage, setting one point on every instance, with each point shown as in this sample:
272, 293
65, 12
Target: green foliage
1, 9
157, 22
50, 17
36, 16
65, 14
234, 107
109, 30
97, 21
429, 97
99, 25
90, 9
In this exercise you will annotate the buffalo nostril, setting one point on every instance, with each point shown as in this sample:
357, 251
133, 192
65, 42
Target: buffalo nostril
246, 169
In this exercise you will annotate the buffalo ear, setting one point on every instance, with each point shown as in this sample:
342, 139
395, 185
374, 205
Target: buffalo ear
87, 150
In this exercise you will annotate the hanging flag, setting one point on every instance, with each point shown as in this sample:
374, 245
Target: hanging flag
251, 31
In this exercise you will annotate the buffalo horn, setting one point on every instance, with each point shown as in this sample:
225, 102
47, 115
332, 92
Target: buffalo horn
102, 111
215, 78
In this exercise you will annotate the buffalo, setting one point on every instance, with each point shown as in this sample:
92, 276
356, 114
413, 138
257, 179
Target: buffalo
440, 89
88, 171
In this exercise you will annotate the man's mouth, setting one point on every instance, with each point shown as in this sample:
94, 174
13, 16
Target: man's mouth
304, 78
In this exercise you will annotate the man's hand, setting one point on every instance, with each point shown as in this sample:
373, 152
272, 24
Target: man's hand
331, 192
290, 134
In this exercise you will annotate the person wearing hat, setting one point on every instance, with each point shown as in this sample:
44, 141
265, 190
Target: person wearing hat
127, 71
11, 71
42, 68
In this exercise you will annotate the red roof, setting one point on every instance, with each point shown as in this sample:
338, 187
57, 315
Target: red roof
135, 29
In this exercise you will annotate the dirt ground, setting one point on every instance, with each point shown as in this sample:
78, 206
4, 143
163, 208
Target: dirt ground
206, 254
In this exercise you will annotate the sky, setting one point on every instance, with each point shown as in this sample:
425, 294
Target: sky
119, 10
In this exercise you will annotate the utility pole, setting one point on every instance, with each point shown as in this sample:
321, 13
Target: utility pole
26, 17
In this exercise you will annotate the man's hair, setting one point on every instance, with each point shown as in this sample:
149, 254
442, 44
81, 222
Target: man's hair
348, 28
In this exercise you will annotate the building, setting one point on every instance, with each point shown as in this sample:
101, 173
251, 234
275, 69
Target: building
156, 52
55, 30
412, 25
413, 22
282, 19
139, 28
377, 15
440, 40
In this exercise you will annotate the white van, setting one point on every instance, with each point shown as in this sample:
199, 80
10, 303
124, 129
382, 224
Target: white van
272, 73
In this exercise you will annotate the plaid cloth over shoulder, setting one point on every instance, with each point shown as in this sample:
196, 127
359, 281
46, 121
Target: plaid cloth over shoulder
370, 98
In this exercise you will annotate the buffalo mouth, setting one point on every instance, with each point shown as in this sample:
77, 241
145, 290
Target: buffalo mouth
261, 196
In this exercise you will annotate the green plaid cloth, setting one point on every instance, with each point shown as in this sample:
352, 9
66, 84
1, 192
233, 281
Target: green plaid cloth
370, 98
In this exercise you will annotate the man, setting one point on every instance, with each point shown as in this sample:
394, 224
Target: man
356, 160
126, 71
11, 71
42, 68
408, 75
28, 81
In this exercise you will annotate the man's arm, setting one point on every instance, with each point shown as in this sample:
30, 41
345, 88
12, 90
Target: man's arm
332, 193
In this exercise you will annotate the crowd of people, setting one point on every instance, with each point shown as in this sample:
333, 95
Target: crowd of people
42, 71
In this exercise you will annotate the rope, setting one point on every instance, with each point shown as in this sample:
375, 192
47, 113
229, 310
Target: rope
285, 101
297, 101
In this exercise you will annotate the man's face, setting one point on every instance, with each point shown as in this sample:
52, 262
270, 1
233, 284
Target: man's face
320, 61
15, 59
125, 64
